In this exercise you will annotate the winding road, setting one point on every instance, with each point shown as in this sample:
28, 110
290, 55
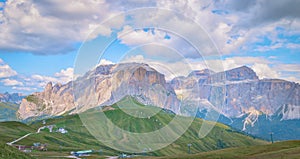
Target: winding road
38, 131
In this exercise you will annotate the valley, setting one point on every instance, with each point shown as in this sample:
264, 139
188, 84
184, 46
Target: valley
78, 137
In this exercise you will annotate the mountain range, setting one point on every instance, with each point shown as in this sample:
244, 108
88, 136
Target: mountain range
12, 98
9, 105
238, 95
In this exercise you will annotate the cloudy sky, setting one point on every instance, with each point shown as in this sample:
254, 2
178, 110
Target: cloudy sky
42, 41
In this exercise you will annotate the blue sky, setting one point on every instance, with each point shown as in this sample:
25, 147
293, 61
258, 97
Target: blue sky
43, 41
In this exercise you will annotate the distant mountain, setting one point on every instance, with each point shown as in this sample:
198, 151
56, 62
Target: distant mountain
8, 111
241, 92
104, 85
240, 97
12, 98
9, 104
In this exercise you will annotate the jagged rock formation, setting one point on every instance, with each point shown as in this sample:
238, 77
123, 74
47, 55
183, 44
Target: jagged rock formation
239, 91
54, 100
232, 92
256, 106
104, 85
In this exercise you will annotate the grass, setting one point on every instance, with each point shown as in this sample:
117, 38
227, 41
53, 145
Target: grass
79, 138
33, 99
279, 150
7, 152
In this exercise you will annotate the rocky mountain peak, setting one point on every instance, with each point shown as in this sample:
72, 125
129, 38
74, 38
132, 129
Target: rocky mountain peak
241, 73
201, 73
104, 85
48, 87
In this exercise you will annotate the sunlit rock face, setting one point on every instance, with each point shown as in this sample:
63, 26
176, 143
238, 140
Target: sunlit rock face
104, 85
110, 83
238, 91
54, 100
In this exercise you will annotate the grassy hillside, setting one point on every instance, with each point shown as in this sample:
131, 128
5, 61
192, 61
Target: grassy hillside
8, 132
79, 138
279, 150
7, 152
8, 111
12, 130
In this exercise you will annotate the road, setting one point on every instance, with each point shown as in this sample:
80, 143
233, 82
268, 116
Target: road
10, 143
38, 131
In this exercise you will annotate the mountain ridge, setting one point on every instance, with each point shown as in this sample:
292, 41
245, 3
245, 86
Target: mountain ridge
235, 93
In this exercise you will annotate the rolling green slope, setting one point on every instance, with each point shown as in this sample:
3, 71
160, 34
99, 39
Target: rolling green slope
279, 150
8, 132
79, 138
12, 130
7, 152
8, 111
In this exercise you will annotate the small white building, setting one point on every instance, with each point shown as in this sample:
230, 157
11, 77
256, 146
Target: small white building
62, 130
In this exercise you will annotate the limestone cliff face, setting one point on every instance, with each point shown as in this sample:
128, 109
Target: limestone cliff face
110, 83
54, 100
103, 85
239, 91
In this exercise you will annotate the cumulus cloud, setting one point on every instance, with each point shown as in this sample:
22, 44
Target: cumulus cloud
235, 26
157, 42
6, 70
51, 27
54, 26
24, 88
264, 71
288, 67
11, 82
105, 62
65, 75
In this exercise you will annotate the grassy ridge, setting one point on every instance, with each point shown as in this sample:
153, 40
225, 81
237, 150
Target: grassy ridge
8, 152
279, 150
8, 132
79, 138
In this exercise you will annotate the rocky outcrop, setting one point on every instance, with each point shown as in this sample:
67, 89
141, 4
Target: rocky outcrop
104, 85
239, 91
288, 112
54, 100
108, 84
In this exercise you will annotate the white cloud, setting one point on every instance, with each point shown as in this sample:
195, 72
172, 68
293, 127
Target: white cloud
41, 81
52, 27
288, 67
235, 25
65, 75
157, 42
105, 62
11, 82
264, 71
6, 70
131, 36
24, 88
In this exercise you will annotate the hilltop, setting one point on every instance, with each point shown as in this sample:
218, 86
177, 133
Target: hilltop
79, 138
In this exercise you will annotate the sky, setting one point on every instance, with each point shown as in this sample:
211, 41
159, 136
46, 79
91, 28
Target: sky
56, 41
